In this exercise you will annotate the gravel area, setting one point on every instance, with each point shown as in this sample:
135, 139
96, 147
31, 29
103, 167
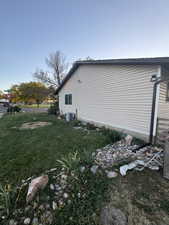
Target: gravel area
129, 156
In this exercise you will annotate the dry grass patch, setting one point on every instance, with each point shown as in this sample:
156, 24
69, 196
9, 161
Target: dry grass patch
34, 125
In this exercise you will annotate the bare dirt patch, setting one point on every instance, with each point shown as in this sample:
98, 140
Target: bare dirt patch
142, 197
34, 125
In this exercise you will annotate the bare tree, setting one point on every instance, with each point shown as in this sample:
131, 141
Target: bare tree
45, 77
57, 62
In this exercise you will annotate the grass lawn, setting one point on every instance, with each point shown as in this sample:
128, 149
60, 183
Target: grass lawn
142, 196
24, 153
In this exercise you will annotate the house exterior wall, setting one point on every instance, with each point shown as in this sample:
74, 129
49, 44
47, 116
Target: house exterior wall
163, 109
116, 96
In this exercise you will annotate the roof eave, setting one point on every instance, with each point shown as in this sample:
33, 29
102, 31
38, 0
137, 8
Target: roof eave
72, 70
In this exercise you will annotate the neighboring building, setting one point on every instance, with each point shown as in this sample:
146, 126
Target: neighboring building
120, 93
4, 102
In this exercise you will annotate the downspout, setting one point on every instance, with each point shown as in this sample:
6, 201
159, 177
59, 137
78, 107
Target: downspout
153, 107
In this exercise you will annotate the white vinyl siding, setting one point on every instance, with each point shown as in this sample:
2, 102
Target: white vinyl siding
163, 108
163, 104
117, 96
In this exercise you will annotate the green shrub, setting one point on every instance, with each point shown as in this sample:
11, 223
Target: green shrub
12, 109
86, 194
137, 141
70, 162
6, 196
54, 109
90, 126
112, 135
76, 123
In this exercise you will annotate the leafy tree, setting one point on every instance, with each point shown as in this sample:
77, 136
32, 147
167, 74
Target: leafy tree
33, 92
14, 94
1, 94
57, 63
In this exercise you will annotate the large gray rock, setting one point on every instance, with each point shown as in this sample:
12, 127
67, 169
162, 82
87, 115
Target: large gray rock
36, 184
112, 216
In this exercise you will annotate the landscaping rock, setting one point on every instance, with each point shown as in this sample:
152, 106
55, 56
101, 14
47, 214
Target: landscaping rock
128, 139
65, 195
79, 195
112, 216
64, 177
112, 155
82, 169
27, 221
42, 207
112, 174
58, 188
53, 169
78, 128
122, 154
94, 169
54, 205
35, 221
52, 187
35, 185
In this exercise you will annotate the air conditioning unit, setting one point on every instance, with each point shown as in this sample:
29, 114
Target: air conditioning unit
70, 116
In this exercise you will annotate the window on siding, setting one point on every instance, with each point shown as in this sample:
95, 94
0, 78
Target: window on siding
167, 92
68, 99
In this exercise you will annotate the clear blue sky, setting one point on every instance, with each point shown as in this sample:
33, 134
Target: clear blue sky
31, 29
